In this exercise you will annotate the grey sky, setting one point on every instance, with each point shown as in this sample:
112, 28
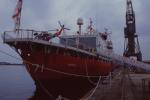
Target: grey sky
44, 15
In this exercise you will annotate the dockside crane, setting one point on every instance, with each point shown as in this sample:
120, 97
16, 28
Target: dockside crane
131, 44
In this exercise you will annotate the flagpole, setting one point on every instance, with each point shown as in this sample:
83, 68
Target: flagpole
17, 24
17, 16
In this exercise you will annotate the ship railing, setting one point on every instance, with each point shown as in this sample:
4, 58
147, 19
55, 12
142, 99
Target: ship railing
19, 34
27, 34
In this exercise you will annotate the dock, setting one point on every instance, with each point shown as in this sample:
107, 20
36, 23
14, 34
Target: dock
125, 85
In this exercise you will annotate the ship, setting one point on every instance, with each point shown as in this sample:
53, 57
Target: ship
76, 60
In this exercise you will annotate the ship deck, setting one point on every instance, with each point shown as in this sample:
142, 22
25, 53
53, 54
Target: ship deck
48, 43
29, 37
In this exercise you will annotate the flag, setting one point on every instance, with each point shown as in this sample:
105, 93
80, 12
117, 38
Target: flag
17, 9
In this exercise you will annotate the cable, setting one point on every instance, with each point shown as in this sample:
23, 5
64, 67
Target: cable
94, 89
44, 89
61, 98
88, 74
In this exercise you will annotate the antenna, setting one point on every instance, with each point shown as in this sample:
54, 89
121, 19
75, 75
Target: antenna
90, 27
79, 23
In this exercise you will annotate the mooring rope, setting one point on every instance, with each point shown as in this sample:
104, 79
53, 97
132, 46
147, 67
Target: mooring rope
87, 73
94, 90
45, 89
61, 98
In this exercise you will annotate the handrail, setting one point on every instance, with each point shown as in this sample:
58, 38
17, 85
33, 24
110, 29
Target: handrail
29, 34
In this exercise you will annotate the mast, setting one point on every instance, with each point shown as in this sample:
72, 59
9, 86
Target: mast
17, 15
131, 46
17, 24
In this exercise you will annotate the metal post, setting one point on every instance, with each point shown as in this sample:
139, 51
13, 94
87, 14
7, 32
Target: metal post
32, 34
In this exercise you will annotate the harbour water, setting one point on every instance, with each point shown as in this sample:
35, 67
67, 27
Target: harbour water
15, 83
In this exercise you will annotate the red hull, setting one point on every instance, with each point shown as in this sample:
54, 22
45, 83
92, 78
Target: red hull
51, 62
57, 66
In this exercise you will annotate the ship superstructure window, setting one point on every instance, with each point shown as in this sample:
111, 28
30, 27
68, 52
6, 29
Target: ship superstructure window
87, 43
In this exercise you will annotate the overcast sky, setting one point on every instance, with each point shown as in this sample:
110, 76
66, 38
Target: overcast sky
44, 15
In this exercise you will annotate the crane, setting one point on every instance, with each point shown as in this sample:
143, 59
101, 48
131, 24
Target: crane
131, 44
